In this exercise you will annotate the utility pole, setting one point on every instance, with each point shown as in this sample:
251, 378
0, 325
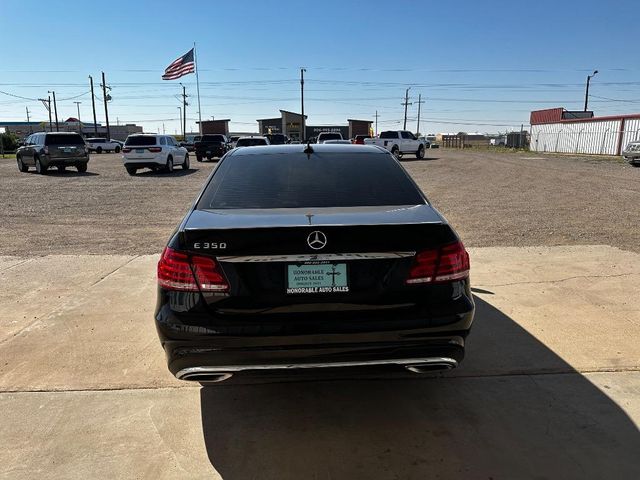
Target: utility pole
163, 128
106, 110
79, 123
184, 111
406, 103
28, 121
377, 122
303, 127
419, 102
93, 103
180, 119
50, 125
55, 109
586, 94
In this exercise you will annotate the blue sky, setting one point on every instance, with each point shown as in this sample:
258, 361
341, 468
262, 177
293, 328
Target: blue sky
480, 66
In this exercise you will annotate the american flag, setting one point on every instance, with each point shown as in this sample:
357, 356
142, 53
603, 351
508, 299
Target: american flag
180, 67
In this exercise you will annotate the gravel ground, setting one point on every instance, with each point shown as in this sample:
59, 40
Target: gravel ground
491, 198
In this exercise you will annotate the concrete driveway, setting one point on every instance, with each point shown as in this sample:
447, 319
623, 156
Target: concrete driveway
550, 387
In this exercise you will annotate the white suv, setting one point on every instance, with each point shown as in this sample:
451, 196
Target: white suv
157, 152
100, 145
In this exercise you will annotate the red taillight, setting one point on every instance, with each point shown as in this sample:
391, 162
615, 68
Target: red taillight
444, 264
126, 150
155, 149
189, 273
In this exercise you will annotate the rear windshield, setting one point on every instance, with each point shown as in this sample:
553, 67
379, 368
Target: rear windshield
140, 141
330, 136
96, 140
55, 139
250, 142
389, 135
277, 139
212, 138
256, 181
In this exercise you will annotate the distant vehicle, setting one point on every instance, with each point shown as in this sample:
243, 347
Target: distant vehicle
157, 152
359, 139
210, 146
343, 142
277, 138
118, 142
400, 142
252, 141
232, 141
324, 136
100, 145
189, 142
61, 150
631, 153
291, 259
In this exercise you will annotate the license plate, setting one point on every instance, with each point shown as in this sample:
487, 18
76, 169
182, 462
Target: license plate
139, 150
66, 150
322, 278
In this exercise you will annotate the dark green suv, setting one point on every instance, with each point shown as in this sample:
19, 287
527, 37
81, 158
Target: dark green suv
53, 149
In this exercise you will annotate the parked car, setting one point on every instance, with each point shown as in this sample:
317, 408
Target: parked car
252, 141
189, 142
100, 145
631, 153
210, 146
157, 152
53, 149
324, 136
359, 139
399, 142
277, 138
297, 258
232, 141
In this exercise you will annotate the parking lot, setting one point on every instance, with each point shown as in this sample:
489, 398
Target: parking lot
550, 387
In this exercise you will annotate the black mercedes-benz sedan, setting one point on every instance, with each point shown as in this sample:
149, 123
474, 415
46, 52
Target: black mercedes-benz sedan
312, 257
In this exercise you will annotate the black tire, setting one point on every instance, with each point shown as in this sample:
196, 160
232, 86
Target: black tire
82, 167
21, 166
131, 170
117, 150
395, 151
198, 158
62, 168
41, 169
209, 158
186, 164
99, 150
420, 152
169, 165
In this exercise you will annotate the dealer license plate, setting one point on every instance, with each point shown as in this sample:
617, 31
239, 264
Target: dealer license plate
139, 150
323, 278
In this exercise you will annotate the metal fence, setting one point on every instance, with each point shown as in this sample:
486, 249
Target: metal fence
605, 137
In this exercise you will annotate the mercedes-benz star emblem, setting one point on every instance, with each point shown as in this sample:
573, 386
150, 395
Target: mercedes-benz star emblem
317, 240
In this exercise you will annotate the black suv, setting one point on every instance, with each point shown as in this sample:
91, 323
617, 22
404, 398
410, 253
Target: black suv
53, 149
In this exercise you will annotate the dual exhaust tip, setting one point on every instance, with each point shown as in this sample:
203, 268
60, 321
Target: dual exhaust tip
212, 375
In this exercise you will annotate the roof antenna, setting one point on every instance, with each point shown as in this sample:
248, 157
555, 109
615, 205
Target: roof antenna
309, 149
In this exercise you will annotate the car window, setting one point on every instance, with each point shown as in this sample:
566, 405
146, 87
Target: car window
388, 135
275, 180
140, 141
213, 138
406, 135
171, 141
63, 139
163, 141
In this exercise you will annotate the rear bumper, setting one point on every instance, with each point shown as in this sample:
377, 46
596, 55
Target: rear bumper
211, 152
150, 162
190, 348
49, 161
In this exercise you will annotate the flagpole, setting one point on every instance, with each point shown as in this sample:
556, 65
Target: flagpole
195, 61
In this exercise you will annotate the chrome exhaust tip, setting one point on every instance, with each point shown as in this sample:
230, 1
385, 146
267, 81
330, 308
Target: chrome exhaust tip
433, 366
209, 377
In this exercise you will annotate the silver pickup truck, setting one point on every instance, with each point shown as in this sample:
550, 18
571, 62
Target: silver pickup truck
400, 142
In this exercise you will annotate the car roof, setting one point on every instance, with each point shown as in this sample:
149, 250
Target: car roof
254, 136
297, 148
61, 133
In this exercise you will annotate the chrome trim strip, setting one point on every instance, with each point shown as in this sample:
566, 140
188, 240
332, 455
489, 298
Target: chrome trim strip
320, 257
187, 372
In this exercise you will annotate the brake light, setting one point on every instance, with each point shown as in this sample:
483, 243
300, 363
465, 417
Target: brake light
126, 150
189, 273
438, 265
155, 149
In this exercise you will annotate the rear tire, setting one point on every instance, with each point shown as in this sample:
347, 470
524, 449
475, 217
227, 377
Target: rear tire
117, 150
131, 170
99, 150
82, 167
185, 164
41, 169
198, 158
21, 166
169, 166
395, 151
420, 152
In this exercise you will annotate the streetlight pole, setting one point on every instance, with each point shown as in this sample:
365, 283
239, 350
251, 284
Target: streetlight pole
93, 104
79, 123
586, 93
106, 98
303, 127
